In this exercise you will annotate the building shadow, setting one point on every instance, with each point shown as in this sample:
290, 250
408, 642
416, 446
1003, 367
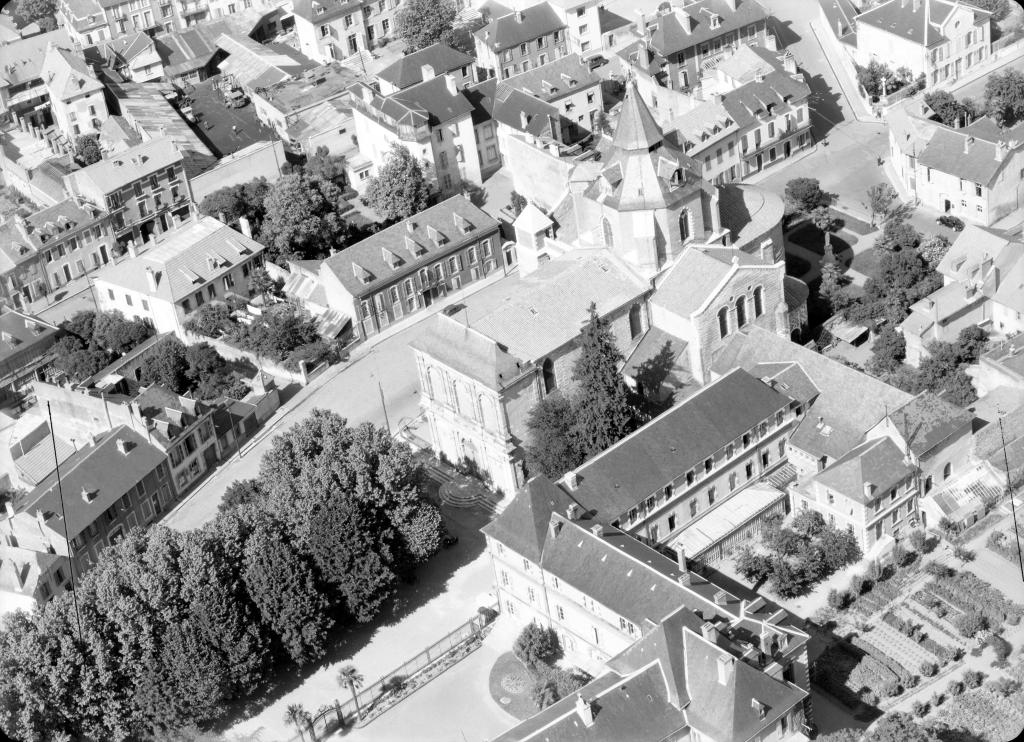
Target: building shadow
824, 103
784, 33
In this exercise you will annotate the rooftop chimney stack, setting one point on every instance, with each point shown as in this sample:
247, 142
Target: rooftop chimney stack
244, 226
132, 251
122, 446
869, 490
9, 506
427, 72
573, 480
519, 16
725, 663
572, 512
151, 279
585, 709
681, 558
709, 631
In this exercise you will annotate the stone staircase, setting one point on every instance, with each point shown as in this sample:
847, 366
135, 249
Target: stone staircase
358, 62
459, 491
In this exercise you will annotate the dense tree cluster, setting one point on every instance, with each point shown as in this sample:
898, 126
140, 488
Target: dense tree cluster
942, 371
180, 627
38, 11
878, 79
1004, 96
568, 429
400, 187
797, 557
232, 203
421, 23
95, 339
87, 149
950, 111
197, 369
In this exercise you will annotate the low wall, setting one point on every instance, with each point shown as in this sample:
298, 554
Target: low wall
263, 159
233, 353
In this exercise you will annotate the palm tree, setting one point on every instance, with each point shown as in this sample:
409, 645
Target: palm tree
822, 218
350, 676
296, 714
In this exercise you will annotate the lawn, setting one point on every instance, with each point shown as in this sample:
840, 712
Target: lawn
511, 686
852, 223
866, 262
811, 238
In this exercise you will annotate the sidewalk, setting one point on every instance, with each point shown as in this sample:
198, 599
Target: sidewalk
832, 51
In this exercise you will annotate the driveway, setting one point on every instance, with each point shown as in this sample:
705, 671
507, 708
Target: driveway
352, 392
446, 594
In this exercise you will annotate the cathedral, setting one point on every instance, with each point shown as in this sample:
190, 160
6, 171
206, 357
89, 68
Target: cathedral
675, 263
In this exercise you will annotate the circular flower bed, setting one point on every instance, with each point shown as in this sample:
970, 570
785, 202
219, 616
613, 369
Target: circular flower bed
511, 686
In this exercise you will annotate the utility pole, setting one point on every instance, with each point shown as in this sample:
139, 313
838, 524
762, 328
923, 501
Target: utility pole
384, 407
1009, 490
64, 515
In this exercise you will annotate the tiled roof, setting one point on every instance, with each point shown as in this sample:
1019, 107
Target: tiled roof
951, 151
467, 351
964, 258
523, 525
113, 173
675, 442
403, 248
20, 331
878, 462
22, 60
698, 271
184, 259
928, 421
66, 75
260, 65
850, 401
408, 70
672, 36
130, 46
636, 128
509, 31
840, 15
101, 471
748, 212
432, 97
920, 22
536, 314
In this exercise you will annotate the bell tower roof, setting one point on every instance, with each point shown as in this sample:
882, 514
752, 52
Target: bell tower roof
636, 128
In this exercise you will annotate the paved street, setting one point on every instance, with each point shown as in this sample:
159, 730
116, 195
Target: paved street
351, 391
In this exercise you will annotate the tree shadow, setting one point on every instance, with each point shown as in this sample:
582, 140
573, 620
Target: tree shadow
653, 372
825, 103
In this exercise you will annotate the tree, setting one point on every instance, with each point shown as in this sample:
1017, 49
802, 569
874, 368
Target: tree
296, 714
808, 523
516, 203
421, 23
241, 492
77, 362
283, 587
933, 249
880, 198
971, 343
830, 288
87, 149
601, 123
322, 165
899, 727
841, 735
603, 413
115, 334
804, 195
821, 217
753, 566
349, 677
282, 329
1004, 96
898, 234
231, 203
36, 10
261, 283
165, 364
303, 219
999, 9
890, 348
537, 645
400, 188
553, 449
213, 319
970, 623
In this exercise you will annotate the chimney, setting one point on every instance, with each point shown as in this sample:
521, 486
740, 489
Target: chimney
789, 64
519, 16
681, 557
244, 226
759, 75
572, 512
367, 93
410, 226
554, 526
968, 141
122, 446
597, 529
585, 709
767, 636
869, 490
88, 495
725, 663
9, 506
132, 252
427, 72
721, 597
732, 4
151, 279
451, 84
573, 480
524, 119
709, 631
1000, 151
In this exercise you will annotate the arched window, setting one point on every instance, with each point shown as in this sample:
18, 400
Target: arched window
548, 369
609, 238
758, 301
741, 311
684, 225
947, 470
636, 324
723, 321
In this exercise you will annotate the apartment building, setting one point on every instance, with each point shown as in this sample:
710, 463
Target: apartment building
285, 104
179, 271
74, 237
612, 600
76, 98
22, 92
111, 484
411, 265
691, 467
940, 39
34, 565
90, 22
423, 64
521, 40
144, 189
337, 29
568, 85
973, 173
433, 120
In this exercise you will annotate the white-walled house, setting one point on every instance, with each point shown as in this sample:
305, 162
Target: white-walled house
76, 95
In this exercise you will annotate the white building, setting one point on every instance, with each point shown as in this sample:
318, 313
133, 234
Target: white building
76, 95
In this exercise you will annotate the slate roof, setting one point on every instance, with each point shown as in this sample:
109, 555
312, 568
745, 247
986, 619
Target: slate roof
840, 15
98, 469
918, 22
878, 461
508, 31
964, 257
181, 260
256, 65
850, 402
130, 46
467, 351
536, 314
408, 70
976, 162
748, 212
523, 525
22, 60
554, 80
66, 75
928, 421
697, 272
671, 37
636, 127
678, 440
113, 173
431, 97
778, 89
510, 107
370, 257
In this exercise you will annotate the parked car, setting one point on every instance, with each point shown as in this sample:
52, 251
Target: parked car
188, 113
952, 222
596, 61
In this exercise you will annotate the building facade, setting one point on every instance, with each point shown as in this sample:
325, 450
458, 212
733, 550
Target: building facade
337, 29
521, 40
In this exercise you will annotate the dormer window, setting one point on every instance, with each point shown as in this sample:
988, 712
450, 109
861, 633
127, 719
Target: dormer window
716, 20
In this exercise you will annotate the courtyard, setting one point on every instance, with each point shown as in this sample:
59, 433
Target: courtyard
224, 130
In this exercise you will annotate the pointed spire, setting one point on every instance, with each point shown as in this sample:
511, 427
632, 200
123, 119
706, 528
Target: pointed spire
636, 128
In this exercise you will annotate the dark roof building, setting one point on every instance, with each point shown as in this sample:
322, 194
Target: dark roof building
513, 29
408, 70
691, 24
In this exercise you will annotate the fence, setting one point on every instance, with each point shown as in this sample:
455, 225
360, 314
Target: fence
390, 689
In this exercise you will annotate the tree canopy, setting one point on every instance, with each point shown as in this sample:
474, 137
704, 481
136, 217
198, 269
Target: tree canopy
400, 187
421, 23
38, 11
232, 203
1004, 96
95, 339
87, 149
804, 195
880, 198
950, 111
303, 219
